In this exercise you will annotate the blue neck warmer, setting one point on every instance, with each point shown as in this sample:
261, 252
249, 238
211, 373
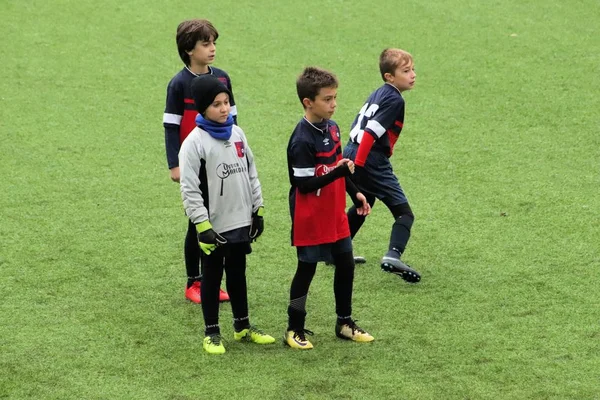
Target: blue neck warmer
215, 129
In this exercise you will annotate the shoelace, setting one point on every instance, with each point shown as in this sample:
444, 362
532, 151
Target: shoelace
216, 339
355, 328
253, 329
302, 334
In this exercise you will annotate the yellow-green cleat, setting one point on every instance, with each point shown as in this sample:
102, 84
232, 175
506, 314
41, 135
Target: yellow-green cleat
213, 344
351, 331
253, 335
297, 339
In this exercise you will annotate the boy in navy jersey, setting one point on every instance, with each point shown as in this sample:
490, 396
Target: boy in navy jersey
196, 43
223, 199
319, 181
372, 137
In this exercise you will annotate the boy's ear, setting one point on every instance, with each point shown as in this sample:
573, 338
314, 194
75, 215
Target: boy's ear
388, 76
306, 102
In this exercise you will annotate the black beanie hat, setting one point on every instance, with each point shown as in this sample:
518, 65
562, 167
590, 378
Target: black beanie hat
204, 90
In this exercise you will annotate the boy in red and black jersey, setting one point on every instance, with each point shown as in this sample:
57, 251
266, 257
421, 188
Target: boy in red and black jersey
315, 152
319, 182
196, 43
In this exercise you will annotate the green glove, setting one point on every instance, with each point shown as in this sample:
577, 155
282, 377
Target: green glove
208, 239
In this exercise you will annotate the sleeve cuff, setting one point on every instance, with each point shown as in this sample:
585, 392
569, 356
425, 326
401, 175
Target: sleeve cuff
203, 226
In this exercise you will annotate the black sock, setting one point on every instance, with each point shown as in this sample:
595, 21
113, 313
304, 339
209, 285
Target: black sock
211, 282
192, 279
342, 284
394, 253
298, 294
235, 269
400, 233
241, 323
212, 330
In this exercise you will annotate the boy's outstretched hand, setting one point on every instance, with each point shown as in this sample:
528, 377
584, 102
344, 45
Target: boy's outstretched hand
365, 209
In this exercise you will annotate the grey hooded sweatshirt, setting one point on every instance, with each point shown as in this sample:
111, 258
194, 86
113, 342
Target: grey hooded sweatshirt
218, 180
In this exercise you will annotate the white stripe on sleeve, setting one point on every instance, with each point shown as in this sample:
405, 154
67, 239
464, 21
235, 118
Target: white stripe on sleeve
233, 111
375, 127
171, 119
303, 172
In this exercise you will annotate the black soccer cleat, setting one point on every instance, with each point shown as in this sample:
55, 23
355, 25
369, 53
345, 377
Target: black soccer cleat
395, 266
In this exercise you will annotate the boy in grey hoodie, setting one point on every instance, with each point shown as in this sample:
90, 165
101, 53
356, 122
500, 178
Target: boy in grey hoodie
222, 198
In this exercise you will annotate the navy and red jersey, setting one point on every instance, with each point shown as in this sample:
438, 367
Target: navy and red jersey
318, 217
180, 114
382, 117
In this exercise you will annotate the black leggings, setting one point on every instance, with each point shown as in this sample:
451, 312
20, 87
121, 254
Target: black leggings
232, 259
191, 253
342, 288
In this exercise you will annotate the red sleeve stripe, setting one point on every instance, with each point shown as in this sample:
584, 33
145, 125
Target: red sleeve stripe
399, 124
363, 149
188, 101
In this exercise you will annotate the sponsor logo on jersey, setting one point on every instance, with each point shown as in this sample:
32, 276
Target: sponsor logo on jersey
225, 170
322, 169
241, 150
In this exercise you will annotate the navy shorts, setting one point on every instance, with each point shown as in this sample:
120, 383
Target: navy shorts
324, 252
383, 184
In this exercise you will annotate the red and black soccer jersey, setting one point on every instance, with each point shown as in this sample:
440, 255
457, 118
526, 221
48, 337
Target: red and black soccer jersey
382, 117
318, 217
180, 114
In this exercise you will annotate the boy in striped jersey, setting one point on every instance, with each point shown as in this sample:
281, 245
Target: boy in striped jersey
196, 43
374, 133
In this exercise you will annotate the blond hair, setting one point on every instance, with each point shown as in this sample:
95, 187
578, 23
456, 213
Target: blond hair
390, 59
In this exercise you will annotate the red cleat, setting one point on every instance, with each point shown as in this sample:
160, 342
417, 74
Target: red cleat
223, 296
193, 293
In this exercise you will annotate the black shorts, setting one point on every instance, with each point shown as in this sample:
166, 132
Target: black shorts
383, 184
324, 252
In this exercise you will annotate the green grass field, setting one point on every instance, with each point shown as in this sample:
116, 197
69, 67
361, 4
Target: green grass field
500, 158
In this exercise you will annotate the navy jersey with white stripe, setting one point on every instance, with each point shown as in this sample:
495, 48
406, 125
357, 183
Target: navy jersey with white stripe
179, 118
382, 116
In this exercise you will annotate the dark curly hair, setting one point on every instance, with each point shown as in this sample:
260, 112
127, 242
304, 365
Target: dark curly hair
190, 32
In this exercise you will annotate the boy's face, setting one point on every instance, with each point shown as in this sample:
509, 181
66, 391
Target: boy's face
203, 53
218, 111
403, 78
324, 103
